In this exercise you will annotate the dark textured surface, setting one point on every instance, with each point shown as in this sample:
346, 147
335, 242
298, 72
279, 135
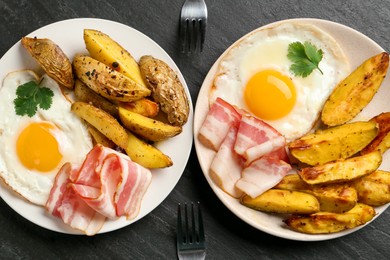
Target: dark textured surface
153, 237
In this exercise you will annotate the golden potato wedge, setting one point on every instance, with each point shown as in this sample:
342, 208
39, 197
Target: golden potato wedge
106, 81
87, 95
336, 197
353, 93
147, 128
99, 138
342, 170
332, 197
51, 58
328, 222
333, 143
104, 49
282, 201
292, 182
146, 154
382, 140
374, 189
167, 89
103, 122
143, 107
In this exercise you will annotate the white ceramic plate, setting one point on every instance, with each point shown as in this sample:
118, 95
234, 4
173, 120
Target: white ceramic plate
68, 35
357, 48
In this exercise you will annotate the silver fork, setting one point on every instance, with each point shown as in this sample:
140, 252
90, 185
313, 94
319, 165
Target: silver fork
191, 243
193, 21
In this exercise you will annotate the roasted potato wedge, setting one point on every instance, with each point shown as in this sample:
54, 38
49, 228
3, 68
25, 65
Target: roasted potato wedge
336, 198
87, 95
332, 197
333, 143
103, 122
167, 89
342, 170
104, 49
146, 154
283, 201
328, 222
292, 182
374, 189
382, 140
51, 58
143, 107
353, 93
147, 128
99, 138
106, 81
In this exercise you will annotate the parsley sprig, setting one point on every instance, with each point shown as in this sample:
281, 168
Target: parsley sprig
29, 96
305, 58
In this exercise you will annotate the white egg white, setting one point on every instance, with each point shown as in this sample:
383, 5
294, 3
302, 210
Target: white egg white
72, 137
267, 49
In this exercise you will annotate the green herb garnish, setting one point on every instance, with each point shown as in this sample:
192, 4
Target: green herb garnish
305, 58
29, 96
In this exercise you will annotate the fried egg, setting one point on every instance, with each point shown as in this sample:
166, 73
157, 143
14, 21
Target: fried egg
255, 75
33, 149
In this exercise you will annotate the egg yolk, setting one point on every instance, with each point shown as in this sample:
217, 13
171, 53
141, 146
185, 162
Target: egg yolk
37, 148
270, 95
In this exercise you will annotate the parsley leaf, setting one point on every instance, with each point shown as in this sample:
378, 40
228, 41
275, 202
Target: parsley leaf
305, 58
29, 96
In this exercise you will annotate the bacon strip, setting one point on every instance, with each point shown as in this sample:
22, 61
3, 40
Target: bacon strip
131, 189
89, 171
253, 132
219, 119
64, 203
257, 151
251, 155
108, 184
76, 213
101, 198
262, 175
225, 169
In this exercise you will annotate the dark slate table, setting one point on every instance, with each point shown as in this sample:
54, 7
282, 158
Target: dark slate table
153, 237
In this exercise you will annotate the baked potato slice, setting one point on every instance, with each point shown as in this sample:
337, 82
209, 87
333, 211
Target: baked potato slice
147, 128
103, 122
87, 95
99, 138
342, 170
282, 201
336, 198
292, 182
167, 89
329, 222
374, 189
332, 197
106, 81
142, 106
334, 143
382, 140
146, 154
353, 93
104, 49
51, 58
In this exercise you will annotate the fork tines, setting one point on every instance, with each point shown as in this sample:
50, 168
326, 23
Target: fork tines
190, 232
192, 36
193, 20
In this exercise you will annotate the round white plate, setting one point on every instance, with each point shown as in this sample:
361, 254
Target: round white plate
357, 48
68, 35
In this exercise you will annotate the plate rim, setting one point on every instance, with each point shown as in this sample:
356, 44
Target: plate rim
222, 196
7, 194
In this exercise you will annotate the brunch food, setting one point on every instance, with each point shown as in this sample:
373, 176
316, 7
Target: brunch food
78, 140
281, 123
